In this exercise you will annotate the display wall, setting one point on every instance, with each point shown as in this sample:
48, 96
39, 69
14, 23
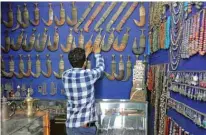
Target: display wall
194, 63
105, 89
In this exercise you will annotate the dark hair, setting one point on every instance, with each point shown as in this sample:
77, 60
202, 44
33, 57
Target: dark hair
77, 57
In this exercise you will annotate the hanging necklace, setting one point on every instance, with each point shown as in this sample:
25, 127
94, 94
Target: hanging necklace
201, 51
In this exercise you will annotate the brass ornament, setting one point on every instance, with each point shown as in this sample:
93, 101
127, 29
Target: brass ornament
61, 68
120, 76
69, 42
10, 22
62, 16
11, 69
113, 69
25, 22
84, 15
21, 68
36, 15
38, 67
142, 14
93, 16
115, 16
106, 47
124, 42
74, 16
30, 46
129, 69
55, 45
49, 67
7, 45
126, 16
51, 16
29, 63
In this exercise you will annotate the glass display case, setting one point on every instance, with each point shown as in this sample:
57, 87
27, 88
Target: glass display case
122, 117
20, 124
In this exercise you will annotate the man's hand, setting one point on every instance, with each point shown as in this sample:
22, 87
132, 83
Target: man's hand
97, 48
88, 50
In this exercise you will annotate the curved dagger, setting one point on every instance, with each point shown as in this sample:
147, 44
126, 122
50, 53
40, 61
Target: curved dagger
120, 76
81, 39
38, 67
69, 42
124, 42
40, 47
49, 68
129, 69
30, 46
10, 22
18, 18
61, 68
126, 16
84, 15
98, 38
107, 47
7, 45
102, 41
51, 16
62, 16
104, 16
139, 50
89, 66
73, 44
113, 69
89, 43
55, 45
74, 16
36, 15
21, 67
142, 14
17, 46
29, 63
11, 69
116, 15
25, 22
94, 15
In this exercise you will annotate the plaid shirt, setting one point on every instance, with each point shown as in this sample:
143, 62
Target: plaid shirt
79, 87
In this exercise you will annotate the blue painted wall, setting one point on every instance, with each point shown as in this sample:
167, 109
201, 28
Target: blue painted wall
195, 63
104, 87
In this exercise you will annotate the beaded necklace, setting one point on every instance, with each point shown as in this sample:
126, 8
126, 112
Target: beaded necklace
201, 52
204, 42
167, 32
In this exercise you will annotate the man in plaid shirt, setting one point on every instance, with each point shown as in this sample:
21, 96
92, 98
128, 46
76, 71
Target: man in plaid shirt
79, 86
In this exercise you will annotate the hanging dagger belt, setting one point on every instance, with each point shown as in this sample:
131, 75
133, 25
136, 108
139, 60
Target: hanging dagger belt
11, 69
40, 47
129, 69
29, 63
69, 42
85, 14
142, 15
107, 47
113, 69
105, 15
51, 16
61, 68
18, 18
30, 46
94, 15
49, 68
62, 16
139, 50
36, 15
120, 76
21, 68
116, 15
17, 46
38, 67
126, 16
55, 45
10, 22
7, 45
25, 22
74, 16
124, 42
81, 39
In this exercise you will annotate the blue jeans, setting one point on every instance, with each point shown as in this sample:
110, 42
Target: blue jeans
82, 131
